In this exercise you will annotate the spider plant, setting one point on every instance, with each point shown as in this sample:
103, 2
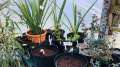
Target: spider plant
73, 26
8, 45
34, 13
57, 16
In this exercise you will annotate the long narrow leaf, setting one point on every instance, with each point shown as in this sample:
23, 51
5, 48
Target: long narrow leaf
75, 18
45, 20
45, 13
86, 13
61, 11
69, 21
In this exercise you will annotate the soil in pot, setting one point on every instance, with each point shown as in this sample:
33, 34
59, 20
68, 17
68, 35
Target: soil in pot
43, 52
70, 61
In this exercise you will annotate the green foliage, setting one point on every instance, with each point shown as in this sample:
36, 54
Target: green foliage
74, 38
8, 45
57, 16
5, 4
73, 26
34, 13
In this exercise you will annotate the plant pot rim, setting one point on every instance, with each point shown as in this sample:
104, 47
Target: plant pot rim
37, 38
36, 35
83, 58
46, 46
81, 35
73, 32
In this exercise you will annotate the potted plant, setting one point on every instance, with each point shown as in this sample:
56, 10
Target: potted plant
9, 47
102, 56
34, 13
73, 26
58, 33
57, 16
101, 53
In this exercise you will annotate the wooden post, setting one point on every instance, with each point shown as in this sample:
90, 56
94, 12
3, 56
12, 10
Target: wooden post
114, 16
110, 20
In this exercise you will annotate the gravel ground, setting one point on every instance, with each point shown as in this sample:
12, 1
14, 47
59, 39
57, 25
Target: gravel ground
116, 38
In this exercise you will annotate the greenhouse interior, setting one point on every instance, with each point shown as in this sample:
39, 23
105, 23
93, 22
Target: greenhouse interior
59, 33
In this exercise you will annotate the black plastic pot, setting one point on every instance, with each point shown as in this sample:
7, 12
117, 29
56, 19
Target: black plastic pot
105, 65
81, 39
49, 33
59, 45
28, 45
83, 60
54, 41
44, 61
61, 34
116, 55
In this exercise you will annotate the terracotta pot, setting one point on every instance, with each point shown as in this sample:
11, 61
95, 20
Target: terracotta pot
36, 38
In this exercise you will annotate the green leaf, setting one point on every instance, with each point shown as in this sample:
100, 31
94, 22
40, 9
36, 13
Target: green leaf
33, 14
86, 14
75, 18
61, 11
